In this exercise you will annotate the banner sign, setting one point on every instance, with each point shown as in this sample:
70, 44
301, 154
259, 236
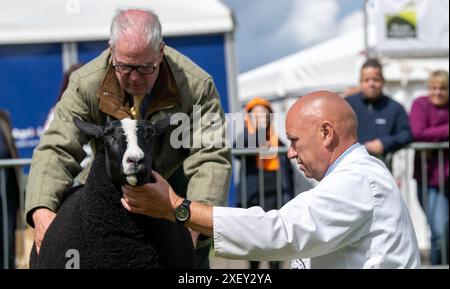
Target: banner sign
412, 27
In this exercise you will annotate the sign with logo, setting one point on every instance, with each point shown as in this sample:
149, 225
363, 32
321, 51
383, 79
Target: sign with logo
402, 24
412, 27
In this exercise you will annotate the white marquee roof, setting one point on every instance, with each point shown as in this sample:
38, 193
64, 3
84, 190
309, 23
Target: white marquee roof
34, 21
333, 65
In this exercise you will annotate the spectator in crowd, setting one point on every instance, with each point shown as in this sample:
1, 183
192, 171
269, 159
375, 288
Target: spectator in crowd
11, 175
429, 123
382, 122
354, 218
137, 77
258, 127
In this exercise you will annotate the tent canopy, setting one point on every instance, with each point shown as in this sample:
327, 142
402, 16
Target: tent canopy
30, 21
333, 65
328, 65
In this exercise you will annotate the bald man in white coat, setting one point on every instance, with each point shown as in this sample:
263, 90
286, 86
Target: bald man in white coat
354, 218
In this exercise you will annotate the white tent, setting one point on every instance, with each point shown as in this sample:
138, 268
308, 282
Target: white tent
333, 65
29, 21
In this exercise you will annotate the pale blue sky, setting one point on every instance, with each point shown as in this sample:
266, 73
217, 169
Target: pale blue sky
270, 29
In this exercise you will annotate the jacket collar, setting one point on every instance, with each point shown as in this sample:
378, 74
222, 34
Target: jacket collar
341, 157
116, 103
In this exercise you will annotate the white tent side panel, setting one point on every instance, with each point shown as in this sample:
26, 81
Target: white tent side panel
44, 21
332, 64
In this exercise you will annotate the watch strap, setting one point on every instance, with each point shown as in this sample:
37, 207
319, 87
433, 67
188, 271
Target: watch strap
187, 205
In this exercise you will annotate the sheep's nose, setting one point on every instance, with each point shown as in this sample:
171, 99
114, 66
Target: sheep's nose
135, 160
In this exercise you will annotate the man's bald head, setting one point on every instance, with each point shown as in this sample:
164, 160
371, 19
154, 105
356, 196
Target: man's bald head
325, 105
321, 126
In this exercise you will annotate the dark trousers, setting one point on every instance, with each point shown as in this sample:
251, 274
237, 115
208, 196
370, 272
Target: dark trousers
436, 211
202, 257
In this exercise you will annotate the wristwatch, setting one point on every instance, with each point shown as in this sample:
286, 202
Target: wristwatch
183, 212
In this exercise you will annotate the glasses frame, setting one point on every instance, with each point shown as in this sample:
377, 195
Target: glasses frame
138, 68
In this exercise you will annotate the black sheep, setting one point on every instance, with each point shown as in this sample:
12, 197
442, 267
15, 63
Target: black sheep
92, 221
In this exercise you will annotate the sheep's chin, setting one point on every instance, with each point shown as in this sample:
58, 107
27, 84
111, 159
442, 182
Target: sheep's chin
132, 180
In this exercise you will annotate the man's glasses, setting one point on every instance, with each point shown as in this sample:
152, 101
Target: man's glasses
141, 69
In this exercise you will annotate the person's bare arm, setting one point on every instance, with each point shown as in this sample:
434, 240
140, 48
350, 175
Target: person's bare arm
158, 200
42, 218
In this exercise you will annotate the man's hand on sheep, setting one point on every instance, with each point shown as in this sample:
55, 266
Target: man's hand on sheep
158, 200
152, 199
42, 219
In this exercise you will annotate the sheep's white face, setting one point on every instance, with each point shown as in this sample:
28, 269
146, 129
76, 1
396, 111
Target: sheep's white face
125, 143
128, 147
132, 160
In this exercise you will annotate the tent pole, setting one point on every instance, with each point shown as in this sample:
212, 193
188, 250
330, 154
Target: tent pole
366, 32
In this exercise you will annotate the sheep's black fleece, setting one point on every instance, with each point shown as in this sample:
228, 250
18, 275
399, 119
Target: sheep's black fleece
93, 221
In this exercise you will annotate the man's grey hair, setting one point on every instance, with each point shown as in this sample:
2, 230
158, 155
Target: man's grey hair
150, 25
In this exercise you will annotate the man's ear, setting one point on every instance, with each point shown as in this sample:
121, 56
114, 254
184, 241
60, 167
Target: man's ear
327, 131
88, 128
161, 51
162, 125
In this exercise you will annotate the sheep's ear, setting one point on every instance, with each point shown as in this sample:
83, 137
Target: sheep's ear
88, 128
162, 125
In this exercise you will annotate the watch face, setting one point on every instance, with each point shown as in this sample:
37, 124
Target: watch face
182, 213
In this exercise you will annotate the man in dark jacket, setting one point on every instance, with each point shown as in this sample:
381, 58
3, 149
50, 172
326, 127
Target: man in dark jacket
11, 194
382, 122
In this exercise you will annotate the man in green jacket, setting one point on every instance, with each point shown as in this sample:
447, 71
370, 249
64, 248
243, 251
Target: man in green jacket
137, 77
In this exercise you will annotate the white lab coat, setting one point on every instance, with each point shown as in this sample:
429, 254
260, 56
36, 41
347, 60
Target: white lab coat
354, 218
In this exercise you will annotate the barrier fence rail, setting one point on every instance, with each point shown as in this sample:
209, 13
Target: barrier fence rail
5, 164
241, 154
423, 149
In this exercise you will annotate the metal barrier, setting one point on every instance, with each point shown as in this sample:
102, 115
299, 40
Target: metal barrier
423, 148
4, 164
242, 154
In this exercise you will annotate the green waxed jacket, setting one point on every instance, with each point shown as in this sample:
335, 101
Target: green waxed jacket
94, 95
